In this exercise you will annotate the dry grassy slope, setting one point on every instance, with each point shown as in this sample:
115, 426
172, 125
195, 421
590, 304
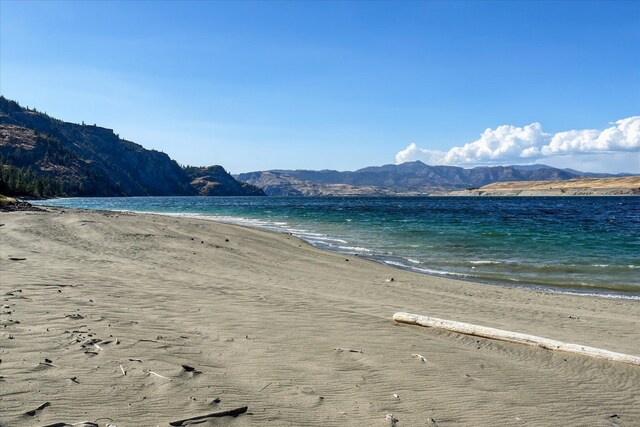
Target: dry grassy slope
629, 182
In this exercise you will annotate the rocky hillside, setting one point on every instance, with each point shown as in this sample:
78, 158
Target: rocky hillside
43, 156
215, 181
409, 178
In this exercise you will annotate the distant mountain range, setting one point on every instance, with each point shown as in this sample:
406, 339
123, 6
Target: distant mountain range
45, 157
411, 178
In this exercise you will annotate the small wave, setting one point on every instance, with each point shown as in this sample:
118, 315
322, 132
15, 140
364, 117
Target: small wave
424, 270
594, 294
319, 243
600, 265
483, 262
320, 238
305, 232
354, 248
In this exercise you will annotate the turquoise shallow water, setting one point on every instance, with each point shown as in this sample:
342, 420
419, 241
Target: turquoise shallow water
572, 244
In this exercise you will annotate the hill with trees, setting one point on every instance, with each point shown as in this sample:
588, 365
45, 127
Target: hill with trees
42, 156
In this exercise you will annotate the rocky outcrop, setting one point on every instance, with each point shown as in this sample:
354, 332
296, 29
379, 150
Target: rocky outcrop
215, 181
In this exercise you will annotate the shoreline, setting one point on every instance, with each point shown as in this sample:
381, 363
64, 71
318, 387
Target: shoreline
597, 292
568, 289
260, 314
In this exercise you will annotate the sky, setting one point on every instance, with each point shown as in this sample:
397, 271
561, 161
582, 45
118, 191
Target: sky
338, 85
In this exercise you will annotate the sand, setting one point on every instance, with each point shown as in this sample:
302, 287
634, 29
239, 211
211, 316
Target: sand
260, 316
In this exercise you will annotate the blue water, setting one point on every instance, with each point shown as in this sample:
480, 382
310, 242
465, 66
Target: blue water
572, 244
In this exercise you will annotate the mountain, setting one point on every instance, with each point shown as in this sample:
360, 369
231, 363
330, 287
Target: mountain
596, 174
573, 171
408, 178
43, 156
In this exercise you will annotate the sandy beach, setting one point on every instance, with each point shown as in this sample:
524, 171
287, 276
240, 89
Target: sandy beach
101, 310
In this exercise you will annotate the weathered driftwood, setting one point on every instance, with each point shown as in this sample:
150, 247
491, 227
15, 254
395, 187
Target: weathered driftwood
80, 424
514, 337
228, 413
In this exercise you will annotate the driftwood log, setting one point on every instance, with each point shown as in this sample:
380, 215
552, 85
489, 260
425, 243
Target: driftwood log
514, 337
202, 418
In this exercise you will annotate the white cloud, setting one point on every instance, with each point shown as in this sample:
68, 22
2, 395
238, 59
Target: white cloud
624, 136
412, 152
529, 144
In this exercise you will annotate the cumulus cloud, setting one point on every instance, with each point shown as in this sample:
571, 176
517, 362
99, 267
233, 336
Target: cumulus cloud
530, 143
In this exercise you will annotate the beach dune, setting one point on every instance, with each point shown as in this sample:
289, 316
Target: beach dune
140, 320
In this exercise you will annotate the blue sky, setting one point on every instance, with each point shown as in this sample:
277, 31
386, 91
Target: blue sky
338, 85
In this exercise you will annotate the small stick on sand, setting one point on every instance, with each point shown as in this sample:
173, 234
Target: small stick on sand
158, 375
32, 412
202, 418
419, 356
97, 346
265, 386
514, 337
123, 371
83, 424
340, 350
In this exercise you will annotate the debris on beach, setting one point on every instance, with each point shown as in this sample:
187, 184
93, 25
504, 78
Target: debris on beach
392, 419
202, 418
419, 356
265, 386
32, 412
74, 316
80, 424
349, 350
159, 376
